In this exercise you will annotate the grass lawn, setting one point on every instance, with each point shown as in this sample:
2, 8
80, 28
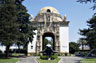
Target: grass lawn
17, 54
10, 60
89, 60
48, 61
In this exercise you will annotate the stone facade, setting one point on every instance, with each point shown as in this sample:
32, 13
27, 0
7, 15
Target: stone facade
48, 21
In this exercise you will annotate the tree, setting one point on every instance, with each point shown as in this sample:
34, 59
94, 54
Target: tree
25, 28
8, 23
82, 42
91, 1
90, 33
45, 43
73, 47
14, 24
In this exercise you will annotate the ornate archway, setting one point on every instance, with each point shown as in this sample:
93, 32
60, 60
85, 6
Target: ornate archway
52, 42
49, 23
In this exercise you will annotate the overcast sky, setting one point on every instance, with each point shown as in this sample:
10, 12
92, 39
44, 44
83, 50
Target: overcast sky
76, 13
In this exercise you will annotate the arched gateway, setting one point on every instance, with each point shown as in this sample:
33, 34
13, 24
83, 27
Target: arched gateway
48, 34
49, 23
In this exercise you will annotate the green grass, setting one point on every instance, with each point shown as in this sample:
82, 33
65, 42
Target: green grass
17, 54
48, 61
10, 60
89, 60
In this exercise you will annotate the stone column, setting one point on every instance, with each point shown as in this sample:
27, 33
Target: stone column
37, 48
38, 41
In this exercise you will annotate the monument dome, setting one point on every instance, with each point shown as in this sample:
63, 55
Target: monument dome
48, 9
48, 14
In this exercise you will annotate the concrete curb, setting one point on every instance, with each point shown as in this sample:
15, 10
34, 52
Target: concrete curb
36, 60
60, 61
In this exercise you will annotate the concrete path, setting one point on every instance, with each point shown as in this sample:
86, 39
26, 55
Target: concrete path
27, 60
70, 60
32, 59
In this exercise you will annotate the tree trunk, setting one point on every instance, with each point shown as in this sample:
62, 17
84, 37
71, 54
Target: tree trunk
26, 48
18, 48
7, 51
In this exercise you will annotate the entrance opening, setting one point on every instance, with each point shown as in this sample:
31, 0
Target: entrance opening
48, 38
48, 10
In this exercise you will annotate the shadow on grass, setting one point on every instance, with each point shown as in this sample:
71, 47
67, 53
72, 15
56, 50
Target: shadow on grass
2, 56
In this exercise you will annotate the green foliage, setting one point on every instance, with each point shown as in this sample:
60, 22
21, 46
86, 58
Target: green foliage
90, 33
73, 47
82, 42
9, 25
44, 57
0, 51
10, 60
48, 61
17, 54
46, 41
25, 28
66, 54
8, 22
54, 56
90, 1
93, 60
15, 26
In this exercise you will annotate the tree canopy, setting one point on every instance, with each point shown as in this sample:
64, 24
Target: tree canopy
90, 33
73, 47
8, 22
46, 41
86, 1
14, 23
25, 28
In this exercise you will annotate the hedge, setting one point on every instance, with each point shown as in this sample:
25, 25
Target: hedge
54, 56
44, 57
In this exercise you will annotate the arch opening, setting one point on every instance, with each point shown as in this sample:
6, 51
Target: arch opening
48, 10
48, 38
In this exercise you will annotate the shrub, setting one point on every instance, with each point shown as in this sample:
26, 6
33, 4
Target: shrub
62, 54
10, 51
54, 56
34, 54
20, 51
0, 51
43, 57
66, 54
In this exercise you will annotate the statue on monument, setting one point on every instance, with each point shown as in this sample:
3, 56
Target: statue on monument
48, 51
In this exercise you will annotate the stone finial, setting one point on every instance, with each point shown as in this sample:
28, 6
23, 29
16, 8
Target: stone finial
65, 18
31, 18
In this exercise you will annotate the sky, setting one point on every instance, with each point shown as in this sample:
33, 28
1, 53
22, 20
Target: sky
77, 13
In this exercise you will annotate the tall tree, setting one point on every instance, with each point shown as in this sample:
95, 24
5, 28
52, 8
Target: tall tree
8, 23
82, 42
90, 33
26, 29
73, 47
14, 24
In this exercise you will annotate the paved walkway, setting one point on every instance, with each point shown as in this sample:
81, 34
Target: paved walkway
70, 60
32, 59
27, 60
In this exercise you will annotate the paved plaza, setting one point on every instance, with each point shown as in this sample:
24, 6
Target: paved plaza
63, 60
27, 60
70, 60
